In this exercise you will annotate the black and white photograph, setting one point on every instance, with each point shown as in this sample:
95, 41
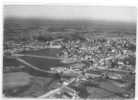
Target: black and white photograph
72, 52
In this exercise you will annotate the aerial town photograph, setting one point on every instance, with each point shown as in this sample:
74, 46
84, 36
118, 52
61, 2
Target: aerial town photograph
69, 52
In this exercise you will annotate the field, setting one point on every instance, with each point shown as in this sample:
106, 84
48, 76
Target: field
23, 30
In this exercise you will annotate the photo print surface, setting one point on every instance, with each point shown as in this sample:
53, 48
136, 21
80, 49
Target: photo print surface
69, 52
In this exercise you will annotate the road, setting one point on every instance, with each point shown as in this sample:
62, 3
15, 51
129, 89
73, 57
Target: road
32, 66
17, 57
37, 56
57, 89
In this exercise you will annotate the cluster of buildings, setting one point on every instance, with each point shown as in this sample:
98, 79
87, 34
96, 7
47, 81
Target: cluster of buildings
106, 59
101, 52
88, 60
17, 47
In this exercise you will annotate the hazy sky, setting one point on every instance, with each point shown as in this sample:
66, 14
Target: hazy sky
125, 14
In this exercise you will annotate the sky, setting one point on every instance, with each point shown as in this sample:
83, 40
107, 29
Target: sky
123, 14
